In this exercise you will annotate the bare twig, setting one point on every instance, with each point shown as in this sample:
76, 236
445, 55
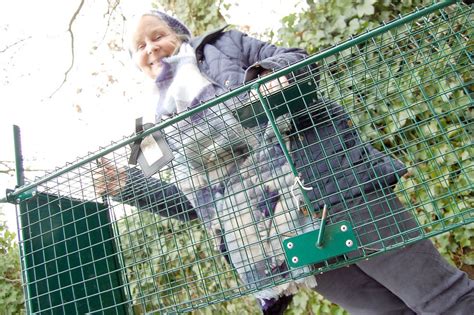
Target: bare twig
73, 18
10, 280
14, 44
7, 167
112, 8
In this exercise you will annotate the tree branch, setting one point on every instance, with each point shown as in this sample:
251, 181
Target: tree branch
10, 280
112, 8
7, 167
73, 18
15, 43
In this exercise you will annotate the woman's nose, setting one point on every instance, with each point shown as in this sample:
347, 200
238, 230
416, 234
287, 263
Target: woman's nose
151, 48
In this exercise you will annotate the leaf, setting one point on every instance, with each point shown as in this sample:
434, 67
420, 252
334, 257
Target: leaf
300, 300
366, 8
469, 258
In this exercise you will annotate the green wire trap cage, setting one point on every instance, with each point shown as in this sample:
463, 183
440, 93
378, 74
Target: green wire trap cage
260, 193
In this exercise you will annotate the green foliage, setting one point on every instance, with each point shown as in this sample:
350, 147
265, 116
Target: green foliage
11, 293
309, 302
157, 253
199, 15
328, 22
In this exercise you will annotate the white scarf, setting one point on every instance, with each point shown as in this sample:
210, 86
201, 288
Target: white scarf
179, 83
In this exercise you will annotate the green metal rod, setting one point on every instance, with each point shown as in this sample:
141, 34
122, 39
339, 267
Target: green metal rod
20, 180
242, 89
20, 171
266, 108
319, 242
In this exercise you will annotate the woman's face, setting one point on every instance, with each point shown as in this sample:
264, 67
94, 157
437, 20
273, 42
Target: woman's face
152, 41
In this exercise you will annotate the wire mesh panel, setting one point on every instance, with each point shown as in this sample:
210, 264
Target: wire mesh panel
70, 261
364, 148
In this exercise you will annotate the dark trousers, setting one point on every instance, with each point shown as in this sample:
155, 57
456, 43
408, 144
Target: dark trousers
411, 280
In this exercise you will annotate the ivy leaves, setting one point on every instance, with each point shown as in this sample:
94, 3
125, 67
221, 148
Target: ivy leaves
11, 293
171, 262
199, 15
328, 22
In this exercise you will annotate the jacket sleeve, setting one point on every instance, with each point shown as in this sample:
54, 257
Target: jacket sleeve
258, 55
156, 196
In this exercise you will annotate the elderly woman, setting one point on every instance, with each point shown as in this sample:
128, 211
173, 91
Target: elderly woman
238, 182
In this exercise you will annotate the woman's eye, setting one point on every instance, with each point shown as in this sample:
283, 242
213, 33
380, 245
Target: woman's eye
157, 37
140, 46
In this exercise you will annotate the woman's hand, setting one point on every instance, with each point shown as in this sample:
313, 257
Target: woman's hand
269, 87
273, 85
108, 178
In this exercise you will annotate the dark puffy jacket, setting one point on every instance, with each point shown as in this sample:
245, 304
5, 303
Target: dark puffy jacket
230, 58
